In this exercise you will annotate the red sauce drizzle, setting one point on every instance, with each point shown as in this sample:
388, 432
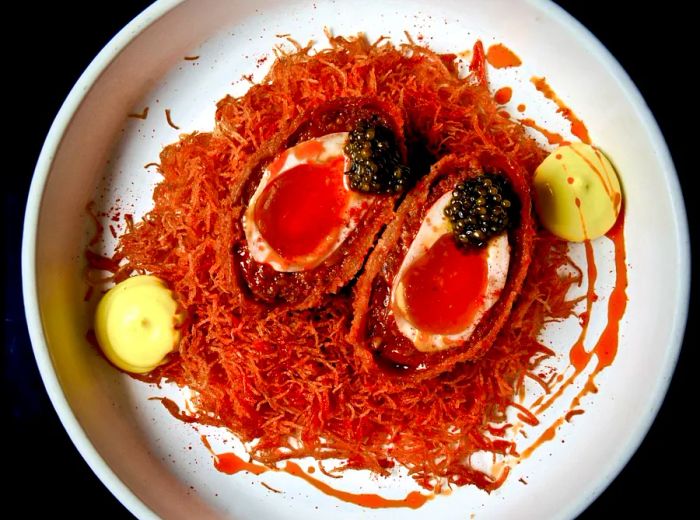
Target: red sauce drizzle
552, 137
602, 172
499, 56
503, 95
413, 500
604, 176
440, 299
578, 128
605, 348
230, 463
571, 414
547, 435
299, 212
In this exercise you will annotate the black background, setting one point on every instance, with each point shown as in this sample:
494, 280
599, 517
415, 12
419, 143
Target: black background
60, 39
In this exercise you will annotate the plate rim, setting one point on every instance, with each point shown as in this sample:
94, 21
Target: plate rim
54, 138
133, 30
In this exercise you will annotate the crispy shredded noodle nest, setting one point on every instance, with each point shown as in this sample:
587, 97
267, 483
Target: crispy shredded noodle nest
289, 380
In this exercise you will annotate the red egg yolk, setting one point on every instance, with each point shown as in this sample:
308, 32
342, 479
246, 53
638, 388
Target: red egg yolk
300, 212
445, 287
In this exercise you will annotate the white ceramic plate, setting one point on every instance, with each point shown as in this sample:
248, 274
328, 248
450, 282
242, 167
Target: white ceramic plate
93, 152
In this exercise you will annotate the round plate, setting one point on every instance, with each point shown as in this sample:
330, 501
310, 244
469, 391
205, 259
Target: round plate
156, 465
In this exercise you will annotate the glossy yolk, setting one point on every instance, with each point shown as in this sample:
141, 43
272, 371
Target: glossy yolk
300, 212
445, 287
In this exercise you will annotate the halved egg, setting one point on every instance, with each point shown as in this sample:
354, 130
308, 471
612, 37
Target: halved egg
303, 208
442, 290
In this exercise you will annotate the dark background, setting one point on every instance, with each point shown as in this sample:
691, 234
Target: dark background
61, 38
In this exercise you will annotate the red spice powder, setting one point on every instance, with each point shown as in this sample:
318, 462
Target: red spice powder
277, 375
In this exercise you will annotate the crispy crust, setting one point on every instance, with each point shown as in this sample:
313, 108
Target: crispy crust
373, 325
259, 283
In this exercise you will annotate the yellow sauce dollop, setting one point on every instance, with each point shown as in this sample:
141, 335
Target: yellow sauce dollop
577, 193
137, 323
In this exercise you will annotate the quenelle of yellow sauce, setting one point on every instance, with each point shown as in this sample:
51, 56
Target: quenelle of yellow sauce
137, 323
577, 193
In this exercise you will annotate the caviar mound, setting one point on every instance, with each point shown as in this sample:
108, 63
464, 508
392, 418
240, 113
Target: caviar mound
374, 327
479, 209
260, 282
375, 166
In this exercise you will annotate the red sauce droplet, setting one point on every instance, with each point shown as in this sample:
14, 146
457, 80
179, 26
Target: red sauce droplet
444, 287
521, 107
526, 415
577, 127
300, 211
570, 180
503, 95
571, 414
578, 356
499, 56
615, 229
558, 156
504, 114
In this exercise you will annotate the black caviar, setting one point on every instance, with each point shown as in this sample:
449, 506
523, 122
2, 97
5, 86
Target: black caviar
480, 208
375, 162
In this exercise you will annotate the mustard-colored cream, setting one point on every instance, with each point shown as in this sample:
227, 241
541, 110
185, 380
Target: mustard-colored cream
577, 193
136, 323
